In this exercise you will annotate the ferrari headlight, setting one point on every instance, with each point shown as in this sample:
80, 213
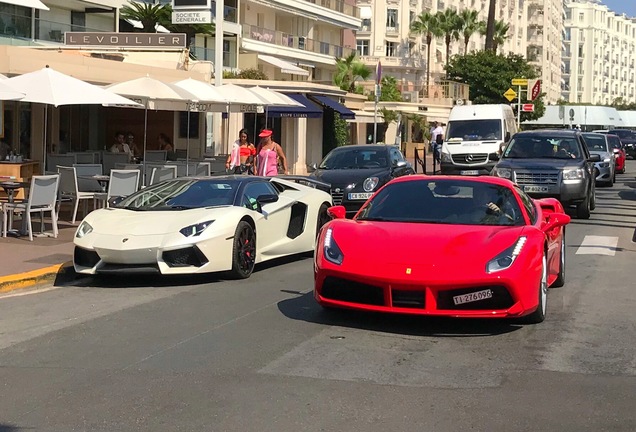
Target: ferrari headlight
332, 251
573, 175
196, 229
370, 184
503, 173
84, 229
505, 259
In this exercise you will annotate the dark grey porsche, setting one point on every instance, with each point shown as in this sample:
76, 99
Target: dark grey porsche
355, 172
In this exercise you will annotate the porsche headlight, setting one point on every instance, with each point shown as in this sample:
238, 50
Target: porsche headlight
573, 175
505, 259
196, 229
332, 251
84, 229
503, 173
370, 184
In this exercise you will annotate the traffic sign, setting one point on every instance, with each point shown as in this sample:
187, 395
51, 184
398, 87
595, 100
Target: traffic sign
527, 108
510, 94
535, 89
520, 82
192, 17
378, 73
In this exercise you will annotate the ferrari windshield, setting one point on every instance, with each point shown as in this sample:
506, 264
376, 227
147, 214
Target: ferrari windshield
444, 202
355, 158
183, 194
536, 146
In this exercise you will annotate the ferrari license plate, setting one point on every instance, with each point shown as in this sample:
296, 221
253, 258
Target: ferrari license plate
472, 297
360, 195
469, 172
535, 188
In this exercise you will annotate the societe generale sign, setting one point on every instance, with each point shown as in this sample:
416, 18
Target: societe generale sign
146, 40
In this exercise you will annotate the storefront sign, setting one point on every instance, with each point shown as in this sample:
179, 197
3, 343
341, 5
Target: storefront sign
154, 40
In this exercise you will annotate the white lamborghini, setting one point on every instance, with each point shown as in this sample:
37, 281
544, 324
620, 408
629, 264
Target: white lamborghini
201, 225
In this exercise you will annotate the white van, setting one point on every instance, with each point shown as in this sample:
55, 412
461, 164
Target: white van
475, 136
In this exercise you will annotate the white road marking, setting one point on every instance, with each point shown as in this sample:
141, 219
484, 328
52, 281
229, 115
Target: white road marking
29, 292
598, 245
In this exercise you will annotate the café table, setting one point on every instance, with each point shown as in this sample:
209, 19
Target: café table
103, 180
10, 187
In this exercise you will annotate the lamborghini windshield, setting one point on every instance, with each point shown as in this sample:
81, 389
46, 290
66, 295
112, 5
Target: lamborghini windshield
182, 194
355, 158
444, 202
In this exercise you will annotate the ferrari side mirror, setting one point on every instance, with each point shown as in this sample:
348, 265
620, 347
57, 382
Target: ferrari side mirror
337, 212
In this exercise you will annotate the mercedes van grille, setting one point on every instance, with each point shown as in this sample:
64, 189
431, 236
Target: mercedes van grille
470, 158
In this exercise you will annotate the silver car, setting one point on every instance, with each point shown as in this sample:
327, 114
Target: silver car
605, 170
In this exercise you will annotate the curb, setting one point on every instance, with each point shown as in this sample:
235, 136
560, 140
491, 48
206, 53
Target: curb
48, 275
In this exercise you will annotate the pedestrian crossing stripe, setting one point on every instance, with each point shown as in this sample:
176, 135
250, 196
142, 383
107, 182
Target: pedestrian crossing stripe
598, 245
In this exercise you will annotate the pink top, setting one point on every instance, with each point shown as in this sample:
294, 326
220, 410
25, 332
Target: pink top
267, 162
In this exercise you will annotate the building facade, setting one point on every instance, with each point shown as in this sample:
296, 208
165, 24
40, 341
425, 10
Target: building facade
599, 54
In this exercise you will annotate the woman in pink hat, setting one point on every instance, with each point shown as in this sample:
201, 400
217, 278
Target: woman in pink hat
267, 156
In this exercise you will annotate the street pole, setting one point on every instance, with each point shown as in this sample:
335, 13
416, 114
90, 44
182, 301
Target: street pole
519, 108
375, 114
218, 63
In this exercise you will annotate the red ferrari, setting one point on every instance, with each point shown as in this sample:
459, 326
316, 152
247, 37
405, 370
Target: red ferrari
446, 246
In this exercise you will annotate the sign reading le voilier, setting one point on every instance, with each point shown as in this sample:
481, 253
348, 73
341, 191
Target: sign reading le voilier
157, 40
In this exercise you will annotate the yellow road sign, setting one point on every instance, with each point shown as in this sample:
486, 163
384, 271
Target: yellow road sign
510, 94
523, 82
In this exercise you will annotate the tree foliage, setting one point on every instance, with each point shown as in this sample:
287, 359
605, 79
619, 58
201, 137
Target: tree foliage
251, 73
489, 75
348, 70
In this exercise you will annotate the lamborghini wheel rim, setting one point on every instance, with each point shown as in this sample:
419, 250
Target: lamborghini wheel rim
247, 249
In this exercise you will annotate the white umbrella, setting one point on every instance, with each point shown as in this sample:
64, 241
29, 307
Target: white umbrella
274, 97
49, 87
204, 91
155, 95
241, 95
9, 93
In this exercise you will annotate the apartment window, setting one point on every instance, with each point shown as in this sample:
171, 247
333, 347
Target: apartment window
581, 17
362, 46
391, 18
412, 16
391, 49
580, 51
366, 24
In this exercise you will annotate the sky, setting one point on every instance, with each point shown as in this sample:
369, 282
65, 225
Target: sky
622, 6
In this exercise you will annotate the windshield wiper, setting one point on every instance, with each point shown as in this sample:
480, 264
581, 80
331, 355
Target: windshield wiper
179, 207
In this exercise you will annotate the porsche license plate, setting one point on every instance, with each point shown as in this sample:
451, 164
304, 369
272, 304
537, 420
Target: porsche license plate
360, 195
472, 297
535, 188
469, 172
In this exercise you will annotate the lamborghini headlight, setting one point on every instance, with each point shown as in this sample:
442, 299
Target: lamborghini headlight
503, 173
370, 184
332, 251
84, 229
196, 229
505, 259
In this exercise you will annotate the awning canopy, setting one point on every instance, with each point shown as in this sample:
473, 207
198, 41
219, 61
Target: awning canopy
35, 4
308, 109
345, 113
366, 117
285, 67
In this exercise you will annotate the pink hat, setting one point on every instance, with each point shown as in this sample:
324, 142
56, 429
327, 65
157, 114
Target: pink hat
265, 133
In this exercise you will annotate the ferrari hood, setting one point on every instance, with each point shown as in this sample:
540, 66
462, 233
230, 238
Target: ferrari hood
125, 222
446, 248
341, 178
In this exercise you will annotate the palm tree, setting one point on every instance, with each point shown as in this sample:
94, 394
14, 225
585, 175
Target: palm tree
149, 15
348, 70
427, 24
500, 35
470, 25
449, 23
490, 25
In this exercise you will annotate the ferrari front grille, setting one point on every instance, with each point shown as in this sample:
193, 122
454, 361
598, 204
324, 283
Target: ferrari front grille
84, 257
335, 288
336, 197
500, 299
186, 257
407, 299
537, 178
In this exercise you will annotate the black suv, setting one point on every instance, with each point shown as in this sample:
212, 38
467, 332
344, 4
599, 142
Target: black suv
552, 163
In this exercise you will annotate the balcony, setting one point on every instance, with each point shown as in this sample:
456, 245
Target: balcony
401, 61
255, 37
338, 6
200, 53
44, 30
446, 90
393, 30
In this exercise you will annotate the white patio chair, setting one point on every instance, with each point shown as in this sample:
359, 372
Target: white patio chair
88, 185
123, 183
203, 169
42, 198
160, 174
156, 155
110, 160
54, 160
69, 191
87, 157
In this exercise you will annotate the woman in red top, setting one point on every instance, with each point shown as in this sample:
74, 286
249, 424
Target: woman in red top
241, 159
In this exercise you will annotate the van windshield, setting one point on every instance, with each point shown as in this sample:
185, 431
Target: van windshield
472, 130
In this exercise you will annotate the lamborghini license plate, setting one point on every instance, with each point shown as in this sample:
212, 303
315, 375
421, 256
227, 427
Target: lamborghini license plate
472, 297
360, 195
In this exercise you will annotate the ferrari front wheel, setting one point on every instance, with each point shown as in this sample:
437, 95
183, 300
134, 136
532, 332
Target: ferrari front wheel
323, 217
244, 251
538, 316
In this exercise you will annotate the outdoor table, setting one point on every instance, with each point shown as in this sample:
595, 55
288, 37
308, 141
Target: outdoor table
103, 180
10, 187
